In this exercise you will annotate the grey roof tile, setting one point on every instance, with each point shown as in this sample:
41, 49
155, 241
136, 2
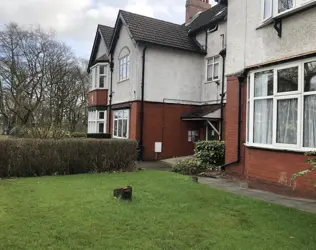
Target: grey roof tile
107, 33
150, 30
208, 18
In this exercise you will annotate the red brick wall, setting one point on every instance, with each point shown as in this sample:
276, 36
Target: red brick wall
263, 169
134, 123
162, 123
98, 97
195, 6
231, 126
272, 171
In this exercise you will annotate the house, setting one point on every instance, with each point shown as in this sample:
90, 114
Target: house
271, 92
158, 82
243, 71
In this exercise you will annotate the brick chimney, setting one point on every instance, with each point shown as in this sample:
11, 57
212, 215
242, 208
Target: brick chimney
195, 6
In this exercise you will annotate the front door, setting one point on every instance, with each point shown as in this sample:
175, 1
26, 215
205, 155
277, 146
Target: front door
211, 134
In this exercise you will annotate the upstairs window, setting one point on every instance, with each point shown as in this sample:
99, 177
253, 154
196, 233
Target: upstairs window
272, 8
98, 76
124, 59
212, 68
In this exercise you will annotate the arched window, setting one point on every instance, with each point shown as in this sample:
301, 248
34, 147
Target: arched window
124, 64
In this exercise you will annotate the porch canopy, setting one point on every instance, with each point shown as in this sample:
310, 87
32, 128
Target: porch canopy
210, 112
207, 113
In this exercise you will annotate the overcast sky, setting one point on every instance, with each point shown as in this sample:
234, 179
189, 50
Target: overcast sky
75, 21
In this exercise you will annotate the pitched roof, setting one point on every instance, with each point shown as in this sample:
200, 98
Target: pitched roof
208, 18
107, 33
201, 113
154, 31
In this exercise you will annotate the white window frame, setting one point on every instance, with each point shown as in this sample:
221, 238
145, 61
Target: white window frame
95, 76
297, 5
94, 121
124, 67
127, 112
263, 9
299, 95
212, 64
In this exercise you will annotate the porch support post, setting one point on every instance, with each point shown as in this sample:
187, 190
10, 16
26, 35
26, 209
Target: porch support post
213, 127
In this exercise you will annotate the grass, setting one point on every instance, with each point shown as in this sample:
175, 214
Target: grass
3, 137
169, 211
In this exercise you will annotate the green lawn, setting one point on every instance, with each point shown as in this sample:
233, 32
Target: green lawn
169, 211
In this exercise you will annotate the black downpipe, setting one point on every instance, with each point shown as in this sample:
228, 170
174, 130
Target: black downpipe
111, 94
141, 146
223, 55
206, 40
240, 82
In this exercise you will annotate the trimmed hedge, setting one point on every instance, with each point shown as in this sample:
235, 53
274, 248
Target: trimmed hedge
78, 135
32, 157
99, 136
189, 166
211, 153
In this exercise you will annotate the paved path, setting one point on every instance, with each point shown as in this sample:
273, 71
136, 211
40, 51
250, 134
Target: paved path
240, 188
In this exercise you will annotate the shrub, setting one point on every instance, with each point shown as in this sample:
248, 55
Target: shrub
211, 153
312, 168
30, 157
190, 166
99, 136
78, 135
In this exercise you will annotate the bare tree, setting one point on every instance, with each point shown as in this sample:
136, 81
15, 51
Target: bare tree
41, 81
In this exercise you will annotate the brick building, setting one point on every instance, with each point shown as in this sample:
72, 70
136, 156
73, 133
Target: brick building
242, 70
158, 82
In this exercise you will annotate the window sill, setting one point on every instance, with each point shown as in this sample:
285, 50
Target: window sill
120, 138
123, 80
217, 81
90, 90
287, 13
273, 148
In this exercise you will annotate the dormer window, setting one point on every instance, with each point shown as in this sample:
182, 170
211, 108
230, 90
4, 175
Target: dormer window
98, 76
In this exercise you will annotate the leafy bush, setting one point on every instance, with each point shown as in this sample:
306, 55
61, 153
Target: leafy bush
211, 153
99, 136
190, 166
78, 135
30, 157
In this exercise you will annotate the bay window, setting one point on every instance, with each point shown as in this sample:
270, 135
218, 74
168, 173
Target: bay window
272, 8
282, 107
98, 76
121, 124
96, 122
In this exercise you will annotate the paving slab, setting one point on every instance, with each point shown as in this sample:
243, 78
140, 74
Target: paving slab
240, 188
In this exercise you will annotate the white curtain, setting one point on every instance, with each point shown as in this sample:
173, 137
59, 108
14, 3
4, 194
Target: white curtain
310, 121
287, 121
263, 85
263, 121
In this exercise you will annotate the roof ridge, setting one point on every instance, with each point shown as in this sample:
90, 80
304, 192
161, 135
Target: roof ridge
150, 17
105, 26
